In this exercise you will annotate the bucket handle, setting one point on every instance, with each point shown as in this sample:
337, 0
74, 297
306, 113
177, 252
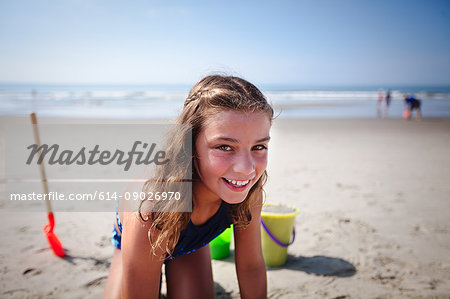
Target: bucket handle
275, 238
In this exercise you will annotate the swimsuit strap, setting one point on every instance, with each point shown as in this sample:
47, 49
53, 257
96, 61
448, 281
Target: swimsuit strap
118, 224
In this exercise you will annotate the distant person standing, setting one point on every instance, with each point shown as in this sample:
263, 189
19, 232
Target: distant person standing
388, 102
380, 102
411, 104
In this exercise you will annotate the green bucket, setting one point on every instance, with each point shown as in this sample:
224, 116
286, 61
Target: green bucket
277, 233
220, 246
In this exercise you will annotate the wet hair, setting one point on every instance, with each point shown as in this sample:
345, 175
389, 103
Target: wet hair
211, 95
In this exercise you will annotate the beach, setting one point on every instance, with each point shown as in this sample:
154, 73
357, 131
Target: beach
373, 196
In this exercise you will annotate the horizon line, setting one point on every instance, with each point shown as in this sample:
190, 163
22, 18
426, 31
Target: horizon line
284, 84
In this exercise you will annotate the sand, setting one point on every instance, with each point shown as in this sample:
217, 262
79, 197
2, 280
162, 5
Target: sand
374, 203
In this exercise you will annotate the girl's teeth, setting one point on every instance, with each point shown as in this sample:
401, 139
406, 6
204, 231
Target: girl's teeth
238, 183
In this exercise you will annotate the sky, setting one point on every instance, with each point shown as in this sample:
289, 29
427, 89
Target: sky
304, 43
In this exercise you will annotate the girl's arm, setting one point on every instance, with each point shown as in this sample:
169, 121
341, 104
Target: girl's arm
141, 268
250, 266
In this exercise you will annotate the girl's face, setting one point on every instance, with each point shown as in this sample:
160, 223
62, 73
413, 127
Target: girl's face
232, 155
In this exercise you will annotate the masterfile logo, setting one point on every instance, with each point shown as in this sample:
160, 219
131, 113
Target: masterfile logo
94, 156
91, 167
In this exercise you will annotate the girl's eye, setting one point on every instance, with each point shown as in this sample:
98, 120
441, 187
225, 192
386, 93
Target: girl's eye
260, 147
225, 148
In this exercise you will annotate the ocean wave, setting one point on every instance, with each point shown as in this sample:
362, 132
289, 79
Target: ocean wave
141, 101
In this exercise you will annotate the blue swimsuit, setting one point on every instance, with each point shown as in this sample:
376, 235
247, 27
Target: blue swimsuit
192, 237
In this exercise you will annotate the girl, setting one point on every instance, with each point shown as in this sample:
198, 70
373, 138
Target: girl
230, 121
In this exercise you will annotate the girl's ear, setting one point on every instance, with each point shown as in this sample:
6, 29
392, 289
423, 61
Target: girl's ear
195, 172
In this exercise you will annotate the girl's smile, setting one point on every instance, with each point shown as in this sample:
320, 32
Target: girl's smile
232, 155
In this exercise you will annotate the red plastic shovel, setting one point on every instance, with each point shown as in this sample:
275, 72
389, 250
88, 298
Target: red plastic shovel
52, 238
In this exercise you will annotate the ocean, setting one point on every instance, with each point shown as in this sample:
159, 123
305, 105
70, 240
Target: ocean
166, 101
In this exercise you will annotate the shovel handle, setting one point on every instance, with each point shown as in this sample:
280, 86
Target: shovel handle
41, 165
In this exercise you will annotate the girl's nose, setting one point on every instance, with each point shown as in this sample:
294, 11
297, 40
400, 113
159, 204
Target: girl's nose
244, 164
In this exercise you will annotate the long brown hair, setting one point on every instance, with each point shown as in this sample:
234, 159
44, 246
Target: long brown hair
209, 96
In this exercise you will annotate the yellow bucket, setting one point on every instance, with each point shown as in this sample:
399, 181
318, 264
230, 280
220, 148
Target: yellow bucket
277, 232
